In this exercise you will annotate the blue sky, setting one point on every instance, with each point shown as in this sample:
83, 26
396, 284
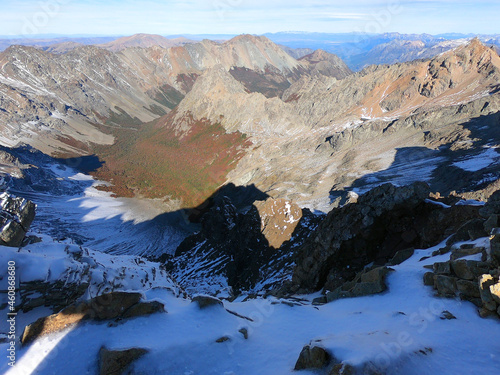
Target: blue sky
113, 17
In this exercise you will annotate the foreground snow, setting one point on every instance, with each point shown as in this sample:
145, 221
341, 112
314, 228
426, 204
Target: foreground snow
400, 331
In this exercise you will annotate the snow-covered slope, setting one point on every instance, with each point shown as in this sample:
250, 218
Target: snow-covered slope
402, 331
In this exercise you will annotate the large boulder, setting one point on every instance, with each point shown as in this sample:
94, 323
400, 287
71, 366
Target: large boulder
312, 357
116, 362
116, 305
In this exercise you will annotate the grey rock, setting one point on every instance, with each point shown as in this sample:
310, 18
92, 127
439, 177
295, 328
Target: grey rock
468, 289
445, 285
442, 268
485, 281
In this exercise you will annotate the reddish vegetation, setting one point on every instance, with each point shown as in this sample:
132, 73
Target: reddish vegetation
158, 159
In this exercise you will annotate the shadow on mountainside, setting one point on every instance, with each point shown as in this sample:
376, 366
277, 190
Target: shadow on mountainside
469, 162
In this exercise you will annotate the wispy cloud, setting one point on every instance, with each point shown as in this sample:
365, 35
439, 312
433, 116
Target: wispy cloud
121, 17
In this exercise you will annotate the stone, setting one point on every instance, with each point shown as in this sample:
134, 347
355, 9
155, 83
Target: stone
401, 256
469, 289
485, 281
12, 234
460, 253
429, 279
206, 301
313, 357
244, 332
446, 315
376, 275
222, 339
462, 269
442, 268
445, 285
116, 362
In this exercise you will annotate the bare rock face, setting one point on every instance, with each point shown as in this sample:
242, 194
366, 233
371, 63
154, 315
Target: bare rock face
384, 221
279, 218
16, 217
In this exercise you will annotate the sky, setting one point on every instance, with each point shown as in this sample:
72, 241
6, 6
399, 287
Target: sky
169, 17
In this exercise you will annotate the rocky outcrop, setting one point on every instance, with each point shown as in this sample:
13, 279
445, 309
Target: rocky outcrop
117, 305
476, 281
16, 216
246, 247
384, 221
206, 301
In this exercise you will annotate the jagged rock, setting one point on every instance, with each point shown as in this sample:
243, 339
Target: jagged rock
116, 362
312, 357
114, 305
16, 216
485, 281
222, 339
206, 301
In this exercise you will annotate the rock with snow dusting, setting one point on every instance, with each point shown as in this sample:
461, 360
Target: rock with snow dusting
16, 216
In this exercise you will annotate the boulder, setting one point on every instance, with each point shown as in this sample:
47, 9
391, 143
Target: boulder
312, 357
116, 362
206, 301
442, 268
491, 223
429, 279
116, 305
365, 283
495, 249
495, 292
445, 285
468, 289
469, 269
